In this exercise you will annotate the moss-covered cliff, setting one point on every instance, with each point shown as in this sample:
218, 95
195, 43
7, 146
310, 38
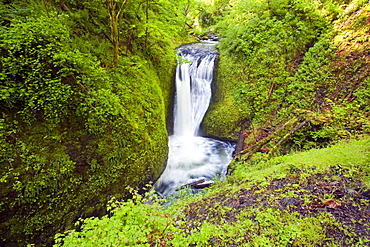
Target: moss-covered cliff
295, 74
281, 58
76, 128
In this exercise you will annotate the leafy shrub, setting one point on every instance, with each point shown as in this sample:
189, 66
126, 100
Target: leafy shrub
279, 56
131, 223
207, 219
31, 72
71, 128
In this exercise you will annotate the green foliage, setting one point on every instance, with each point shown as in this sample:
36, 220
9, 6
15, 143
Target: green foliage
143, 25
204, 220
312, 75
349, 155
30, 72
8, 13
261, 39
136, 223
73, 130
132, 222
280, 56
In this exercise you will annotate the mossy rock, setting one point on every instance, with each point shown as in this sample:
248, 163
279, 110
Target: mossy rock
62, 157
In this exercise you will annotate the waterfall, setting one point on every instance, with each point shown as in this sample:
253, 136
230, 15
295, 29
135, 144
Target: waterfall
193, 84
192, 157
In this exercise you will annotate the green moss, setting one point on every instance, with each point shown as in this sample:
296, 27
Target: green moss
268, 70
245, 210
225, 114
75, 131
353, 155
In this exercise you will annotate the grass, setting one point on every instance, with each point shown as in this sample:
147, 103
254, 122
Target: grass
352, 156
318, 197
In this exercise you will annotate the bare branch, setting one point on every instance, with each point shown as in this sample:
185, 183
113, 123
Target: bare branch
121, 8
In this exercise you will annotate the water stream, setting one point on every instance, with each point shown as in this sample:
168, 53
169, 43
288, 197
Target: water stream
192, 157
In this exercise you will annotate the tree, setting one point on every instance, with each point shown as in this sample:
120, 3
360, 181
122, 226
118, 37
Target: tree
114, 16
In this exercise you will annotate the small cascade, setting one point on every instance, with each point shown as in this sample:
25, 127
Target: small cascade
192, 157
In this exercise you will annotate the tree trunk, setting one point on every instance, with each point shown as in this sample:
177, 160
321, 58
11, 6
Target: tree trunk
240, 143
246, 154
114, 19
285, 138
115, 39
146, 22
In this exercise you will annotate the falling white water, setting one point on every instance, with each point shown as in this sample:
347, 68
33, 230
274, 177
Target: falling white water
191, 157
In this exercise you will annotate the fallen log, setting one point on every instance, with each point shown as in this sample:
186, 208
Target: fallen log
285, 138
202, 185
191, 184
246, 154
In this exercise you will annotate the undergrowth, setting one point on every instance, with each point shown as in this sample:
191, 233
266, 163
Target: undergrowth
262, 203
76, 127
280, 57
